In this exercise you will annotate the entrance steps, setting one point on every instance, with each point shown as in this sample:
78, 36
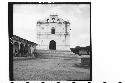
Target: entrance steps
55, 53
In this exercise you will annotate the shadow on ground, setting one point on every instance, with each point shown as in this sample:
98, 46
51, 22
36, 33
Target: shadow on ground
79, 65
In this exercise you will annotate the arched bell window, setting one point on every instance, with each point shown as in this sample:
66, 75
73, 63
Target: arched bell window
52, 30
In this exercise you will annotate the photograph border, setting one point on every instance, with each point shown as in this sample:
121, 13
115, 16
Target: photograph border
10, 32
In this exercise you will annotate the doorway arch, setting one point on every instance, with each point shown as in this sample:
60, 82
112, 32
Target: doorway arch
52, 45
16, 49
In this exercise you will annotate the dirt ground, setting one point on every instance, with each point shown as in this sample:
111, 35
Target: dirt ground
59, 69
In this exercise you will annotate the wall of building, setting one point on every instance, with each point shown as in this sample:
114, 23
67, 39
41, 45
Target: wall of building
22, 48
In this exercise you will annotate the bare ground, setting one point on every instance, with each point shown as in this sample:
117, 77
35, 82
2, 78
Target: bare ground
58, 69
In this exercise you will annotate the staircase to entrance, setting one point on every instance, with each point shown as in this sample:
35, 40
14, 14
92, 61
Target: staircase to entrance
55, 53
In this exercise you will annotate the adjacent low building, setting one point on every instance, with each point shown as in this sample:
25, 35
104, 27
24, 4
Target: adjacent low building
81, 50
22, 47
84, 53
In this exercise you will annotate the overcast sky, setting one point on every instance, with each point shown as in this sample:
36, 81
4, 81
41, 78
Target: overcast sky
26, 16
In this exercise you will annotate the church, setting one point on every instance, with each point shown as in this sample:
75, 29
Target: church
53, 33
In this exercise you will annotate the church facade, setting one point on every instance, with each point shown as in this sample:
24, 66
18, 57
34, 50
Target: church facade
53, 33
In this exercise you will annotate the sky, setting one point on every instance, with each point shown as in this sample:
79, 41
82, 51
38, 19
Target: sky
25, 17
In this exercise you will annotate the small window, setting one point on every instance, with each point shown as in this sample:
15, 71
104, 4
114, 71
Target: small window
53, 18
53, 30
47, 20
58, 20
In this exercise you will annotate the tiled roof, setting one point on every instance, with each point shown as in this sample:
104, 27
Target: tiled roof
17, 38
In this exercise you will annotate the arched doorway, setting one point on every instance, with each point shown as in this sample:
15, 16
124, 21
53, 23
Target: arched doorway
52, 45
22, 49
16, 49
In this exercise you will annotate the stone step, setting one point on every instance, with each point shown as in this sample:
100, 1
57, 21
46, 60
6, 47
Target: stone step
54, 52
56, 56
59, 54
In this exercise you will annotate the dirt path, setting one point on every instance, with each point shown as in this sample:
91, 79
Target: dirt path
50, 69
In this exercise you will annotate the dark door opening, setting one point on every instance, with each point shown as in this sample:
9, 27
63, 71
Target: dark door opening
52, 45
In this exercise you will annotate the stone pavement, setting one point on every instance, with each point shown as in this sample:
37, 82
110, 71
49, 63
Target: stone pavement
54, 69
